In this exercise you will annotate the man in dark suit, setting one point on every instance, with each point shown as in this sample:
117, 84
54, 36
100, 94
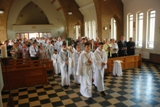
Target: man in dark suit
122, 45
130, 47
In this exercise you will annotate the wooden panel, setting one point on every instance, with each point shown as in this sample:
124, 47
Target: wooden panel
154, 58
127, 62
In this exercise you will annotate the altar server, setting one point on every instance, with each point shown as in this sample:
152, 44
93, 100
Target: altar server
84, 70
100, 62
64, 61
55, 58
76, 56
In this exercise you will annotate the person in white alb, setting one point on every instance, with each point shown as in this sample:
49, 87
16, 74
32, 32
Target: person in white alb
100, 62
51, 48
34, 51
76, 55
64, 61
55, 58
48, 55
59, 44
114, 49
84, 70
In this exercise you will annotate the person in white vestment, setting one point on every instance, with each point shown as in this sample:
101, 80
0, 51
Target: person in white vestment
47, 50
59, 44
84, 70
51, 48
64, 61
76, 56
55, 58
100, 62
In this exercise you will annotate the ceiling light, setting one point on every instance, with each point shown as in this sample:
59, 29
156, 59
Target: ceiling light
1, 11
70, 13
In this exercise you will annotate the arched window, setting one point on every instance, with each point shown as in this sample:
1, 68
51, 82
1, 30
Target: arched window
139, 31
89, 29
151, 15
77, 29
113, 29
129, 26
93, 30
86, 29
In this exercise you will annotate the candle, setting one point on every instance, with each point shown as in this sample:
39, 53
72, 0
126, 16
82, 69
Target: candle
3, 51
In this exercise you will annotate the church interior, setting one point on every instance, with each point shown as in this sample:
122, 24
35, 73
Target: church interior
139, 86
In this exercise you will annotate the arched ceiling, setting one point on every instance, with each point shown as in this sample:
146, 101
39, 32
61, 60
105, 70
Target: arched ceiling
31, 14
82, 3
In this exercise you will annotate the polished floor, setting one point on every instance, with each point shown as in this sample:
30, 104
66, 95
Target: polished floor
138, 87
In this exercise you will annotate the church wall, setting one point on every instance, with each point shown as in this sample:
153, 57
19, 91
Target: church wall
134, 6
72, 20
106, 9
55, 17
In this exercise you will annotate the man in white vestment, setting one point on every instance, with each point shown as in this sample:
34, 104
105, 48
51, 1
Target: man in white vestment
64, 61
100, 62
48, 55
84, 70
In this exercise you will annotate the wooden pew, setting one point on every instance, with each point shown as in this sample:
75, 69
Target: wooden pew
24, 73
128, 62
21, 77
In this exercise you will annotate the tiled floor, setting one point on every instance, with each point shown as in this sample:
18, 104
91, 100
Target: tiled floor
139, 87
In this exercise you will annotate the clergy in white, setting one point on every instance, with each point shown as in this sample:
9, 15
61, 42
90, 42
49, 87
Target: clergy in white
84, 70
64, 61
51, 48
100, 62
55, 58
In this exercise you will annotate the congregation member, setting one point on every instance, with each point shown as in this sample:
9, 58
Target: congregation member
25, 51
122, 45
114, 50
34, 51
56, 58
47, 46
84, 70
130, 47
64, 61
82, 43
76, 55
100, 62
42, 52
107, 47
15, 51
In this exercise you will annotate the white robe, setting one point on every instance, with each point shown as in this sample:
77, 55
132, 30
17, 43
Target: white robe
51, 49
56, 58
65, 75
47, 52
76, 56
84, 69
58, 45
99, 57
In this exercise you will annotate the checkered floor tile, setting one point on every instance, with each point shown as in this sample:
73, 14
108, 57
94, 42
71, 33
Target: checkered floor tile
138, 87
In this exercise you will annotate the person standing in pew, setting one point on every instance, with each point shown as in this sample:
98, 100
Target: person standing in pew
51, 49
34, 51
100, 62
130, 47
122, 45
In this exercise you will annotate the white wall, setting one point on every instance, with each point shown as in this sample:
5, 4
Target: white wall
56, 18
134, 6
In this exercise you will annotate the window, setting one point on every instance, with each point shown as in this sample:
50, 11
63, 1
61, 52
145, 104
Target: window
150, 29
130, 26
113, 29
139, 33
90, 29
77, 29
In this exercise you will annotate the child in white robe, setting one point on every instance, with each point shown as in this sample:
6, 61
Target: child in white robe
84, 70
55, 58
76, 55
64, 61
